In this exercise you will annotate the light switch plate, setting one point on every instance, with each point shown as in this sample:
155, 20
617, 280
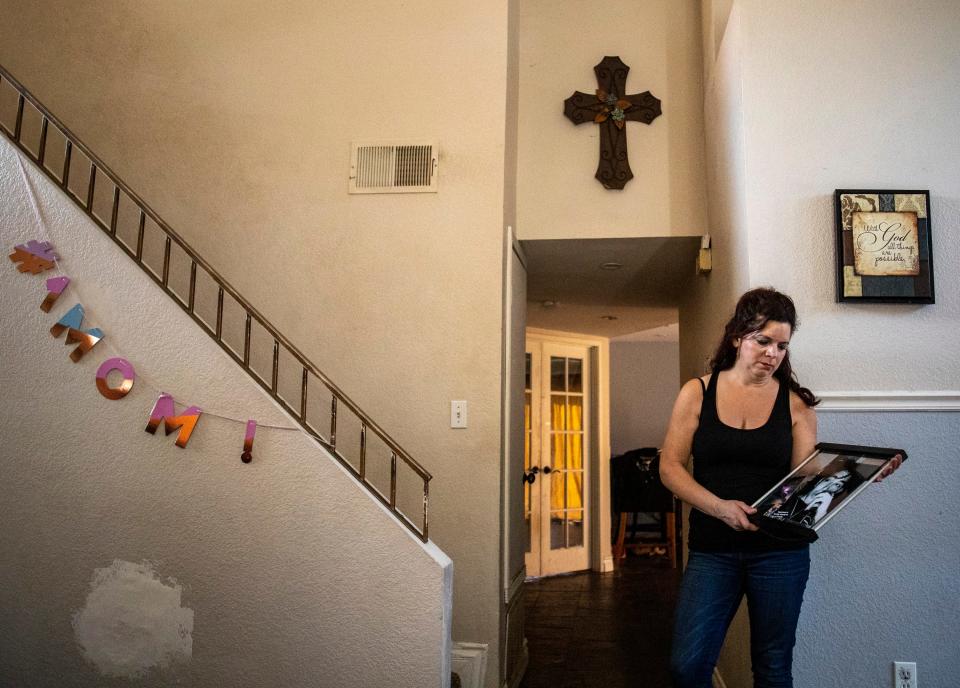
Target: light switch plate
458, 414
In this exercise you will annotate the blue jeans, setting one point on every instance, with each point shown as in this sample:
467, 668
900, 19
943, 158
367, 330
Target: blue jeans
713, 585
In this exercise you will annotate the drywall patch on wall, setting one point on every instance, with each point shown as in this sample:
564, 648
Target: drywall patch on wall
133, 622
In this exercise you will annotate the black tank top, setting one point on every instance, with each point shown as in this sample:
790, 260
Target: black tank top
739, 464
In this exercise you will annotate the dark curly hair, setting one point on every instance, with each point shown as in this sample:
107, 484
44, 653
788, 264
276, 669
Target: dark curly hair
754, 310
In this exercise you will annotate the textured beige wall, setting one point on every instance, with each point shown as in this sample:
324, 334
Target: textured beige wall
560, 42
709, 299
515, 309
282, 569
234, 119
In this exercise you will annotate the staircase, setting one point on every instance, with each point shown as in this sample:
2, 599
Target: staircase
104, 198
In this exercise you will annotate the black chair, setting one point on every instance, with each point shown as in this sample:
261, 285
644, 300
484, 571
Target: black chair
636, 488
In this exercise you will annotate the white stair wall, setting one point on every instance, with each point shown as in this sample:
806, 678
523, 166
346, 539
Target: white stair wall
281, 572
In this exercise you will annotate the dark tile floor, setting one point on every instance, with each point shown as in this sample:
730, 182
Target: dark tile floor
608, 630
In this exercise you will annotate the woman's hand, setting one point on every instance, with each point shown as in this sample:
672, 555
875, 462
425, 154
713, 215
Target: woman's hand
734, 513
894, 465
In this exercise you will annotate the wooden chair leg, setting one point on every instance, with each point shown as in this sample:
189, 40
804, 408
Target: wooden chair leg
619, 551
671, 519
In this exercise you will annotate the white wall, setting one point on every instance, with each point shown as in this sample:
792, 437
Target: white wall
644, 381
709, 299
849, 95
557, 196
286, 571
810, 130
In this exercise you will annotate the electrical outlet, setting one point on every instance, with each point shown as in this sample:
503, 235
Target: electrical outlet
904, 675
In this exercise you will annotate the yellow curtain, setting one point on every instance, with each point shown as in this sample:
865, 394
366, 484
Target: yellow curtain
567, 454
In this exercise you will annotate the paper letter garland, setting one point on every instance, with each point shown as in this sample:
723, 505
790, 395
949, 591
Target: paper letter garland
34, 257
55, 287
108, 366
247, 455
71, 322
164, 411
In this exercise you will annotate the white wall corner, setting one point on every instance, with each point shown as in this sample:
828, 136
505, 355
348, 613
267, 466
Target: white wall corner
446, 629
469, 662
513, 589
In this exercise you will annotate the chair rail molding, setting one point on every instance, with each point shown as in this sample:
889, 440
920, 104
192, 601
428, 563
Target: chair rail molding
891, 401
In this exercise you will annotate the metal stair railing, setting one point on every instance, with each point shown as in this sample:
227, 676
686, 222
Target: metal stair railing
99, 171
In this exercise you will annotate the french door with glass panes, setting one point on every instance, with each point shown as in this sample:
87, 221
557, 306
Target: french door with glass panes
557, 409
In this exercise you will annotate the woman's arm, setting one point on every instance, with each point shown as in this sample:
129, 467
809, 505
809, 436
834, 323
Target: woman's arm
804, 429
673, 458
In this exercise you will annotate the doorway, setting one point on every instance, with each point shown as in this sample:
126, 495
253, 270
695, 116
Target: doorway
560, 450
589, 294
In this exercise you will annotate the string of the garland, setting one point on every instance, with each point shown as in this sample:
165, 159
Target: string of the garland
144, 379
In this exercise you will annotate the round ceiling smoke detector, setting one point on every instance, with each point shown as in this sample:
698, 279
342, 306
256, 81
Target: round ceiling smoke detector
611, 266
549, 304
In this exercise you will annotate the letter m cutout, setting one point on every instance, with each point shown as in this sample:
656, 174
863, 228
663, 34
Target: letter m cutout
71, 324
164, 411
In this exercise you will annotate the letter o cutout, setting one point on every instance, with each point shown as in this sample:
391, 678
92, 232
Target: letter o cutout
108, 366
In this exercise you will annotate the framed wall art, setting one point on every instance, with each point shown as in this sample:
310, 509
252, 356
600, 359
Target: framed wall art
812, 493
884, 248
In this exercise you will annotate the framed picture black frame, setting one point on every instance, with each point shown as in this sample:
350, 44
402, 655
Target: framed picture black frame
816, 490
884, 246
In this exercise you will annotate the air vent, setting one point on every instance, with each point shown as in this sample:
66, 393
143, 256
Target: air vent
394, 167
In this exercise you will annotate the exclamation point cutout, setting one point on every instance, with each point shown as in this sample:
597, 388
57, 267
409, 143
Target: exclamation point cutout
247, 455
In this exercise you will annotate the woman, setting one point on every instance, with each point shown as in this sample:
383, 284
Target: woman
746, 424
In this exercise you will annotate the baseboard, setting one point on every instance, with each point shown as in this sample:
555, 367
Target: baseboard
469, 662
718, 679
606, 566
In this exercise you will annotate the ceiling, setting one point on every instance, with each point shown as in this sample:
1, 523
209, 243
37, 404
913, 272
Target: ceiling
643, 294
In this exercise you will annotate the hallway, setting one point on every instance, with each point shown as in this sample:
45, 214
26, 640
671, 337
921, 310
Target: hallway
591, 630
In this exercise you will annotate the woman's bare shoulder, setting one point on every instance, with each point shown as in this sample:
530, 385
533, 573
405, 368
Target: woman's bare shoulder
696, 384
691, 394
799, 409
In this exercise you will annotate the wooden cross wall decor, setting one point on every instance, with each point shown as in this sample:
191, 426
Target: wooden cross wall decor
611, 109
